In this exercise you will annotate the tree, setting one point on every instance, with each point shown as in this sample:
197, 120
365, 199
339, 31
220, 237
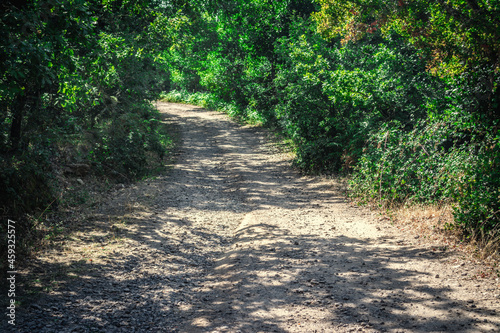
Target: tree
456, 36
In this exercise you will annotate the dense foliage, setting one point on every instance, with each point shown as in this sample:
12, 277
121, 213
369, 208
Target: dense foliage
403, 95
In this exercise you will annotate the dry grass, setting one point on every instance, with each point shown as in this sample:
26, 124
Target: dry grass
433, 224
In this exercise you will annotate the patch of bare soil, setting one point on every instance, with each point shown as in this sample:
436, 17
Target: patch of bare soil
234, 240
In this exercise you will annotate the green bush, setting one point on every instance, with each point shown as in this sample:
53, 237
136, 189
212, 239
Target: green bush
25, 182
123, 143
401, 166
477, 196
330, 98
434, 163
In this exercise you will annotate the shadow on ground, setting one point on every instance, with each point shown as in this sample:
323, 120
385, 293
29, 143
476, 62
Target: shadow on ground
282, 274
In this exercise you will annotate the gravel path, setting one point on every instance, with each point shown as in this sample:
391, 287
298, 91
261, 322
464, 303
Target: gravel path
234, 240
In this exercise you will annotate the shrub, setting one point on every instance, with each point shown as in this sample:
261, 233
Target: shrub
123, 143
477, 196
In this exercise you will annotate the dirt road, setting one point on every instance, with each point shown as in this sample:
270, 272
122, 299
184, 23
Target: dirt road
233, 240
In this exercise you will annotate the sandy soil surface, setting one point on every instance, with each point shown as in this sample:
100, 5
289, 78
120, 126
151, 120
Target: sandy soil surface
232, 239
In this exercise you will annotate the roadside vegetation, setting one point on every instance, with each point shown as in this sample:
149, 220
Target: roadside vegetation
401, 96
